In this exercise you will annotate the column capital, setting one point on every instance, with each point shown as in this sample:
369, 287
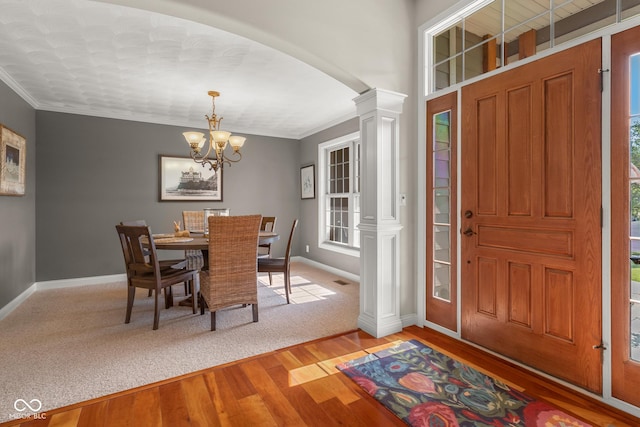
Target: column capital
379, 99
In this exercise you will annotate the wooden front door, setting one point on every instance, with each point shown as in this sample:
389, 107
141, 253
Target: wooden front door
625, 215
531, 214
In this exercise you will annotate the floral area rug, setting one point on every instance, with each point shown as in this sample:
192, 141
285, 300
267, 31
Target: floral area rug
426, 388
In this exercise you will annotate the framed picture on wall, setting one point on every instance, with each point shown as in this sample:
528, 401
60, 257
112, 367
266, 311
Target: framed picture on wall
182, 179
307, 182
13, 159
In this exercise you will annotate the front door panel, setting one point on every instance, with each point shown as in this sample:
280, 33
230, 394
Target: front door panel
531, 251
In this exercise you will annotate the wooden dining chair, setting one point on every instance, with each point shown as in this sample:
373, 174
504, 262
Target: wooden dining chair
280, 265
193, 221
264, 251
164, 263
232, 277
144, 271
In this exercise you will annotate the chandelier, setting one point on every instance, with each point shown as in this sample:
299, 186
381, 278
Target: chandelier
218, 141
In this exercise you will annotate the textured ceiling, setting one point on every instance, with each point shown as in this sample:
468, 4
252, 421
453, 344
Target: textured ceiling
92, 58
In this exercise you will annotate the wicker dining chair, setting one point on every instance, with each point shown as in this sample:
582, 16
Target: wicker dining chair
193, 220
144, 271
264, 251
232, 278
280, 265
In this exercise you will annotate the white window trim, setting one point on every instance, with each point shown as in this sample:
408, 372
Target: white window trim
322, 190
433, 27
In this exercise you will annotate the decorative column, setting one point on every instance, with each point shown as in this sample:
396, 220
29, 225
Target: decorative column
379, 112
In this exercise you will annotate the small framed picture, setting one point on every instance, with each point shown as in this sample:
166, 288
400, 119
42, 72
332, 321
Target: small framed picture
13, 159
182, 179
308, 182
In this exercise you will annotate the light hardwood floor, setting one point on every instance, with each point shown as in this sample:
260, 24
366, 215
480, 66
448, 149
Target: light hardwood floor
298, 386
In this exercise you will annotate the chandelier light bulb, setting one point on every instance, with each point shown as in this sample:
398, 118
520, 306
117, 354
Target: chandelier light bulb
192, 138
236, 142
220, 136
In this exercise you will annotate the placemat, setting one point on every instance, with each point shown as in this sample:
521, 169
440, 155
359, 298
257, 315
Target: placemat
173, 239
162, 236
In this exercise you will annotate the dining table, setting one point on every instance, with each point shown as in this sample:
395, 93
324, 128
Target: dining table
199, 241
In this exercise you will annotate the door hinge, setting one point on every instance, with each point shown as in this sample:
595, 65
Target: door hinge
601, 72
600, 346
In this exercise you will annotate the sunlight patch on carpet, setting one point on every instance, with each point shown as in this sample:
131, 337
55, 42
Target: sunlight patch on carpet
302, 290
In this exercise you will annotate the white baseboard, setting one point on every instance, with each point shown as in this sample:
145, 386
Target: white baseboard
14, 303
57, 284
409, 320
336, 271
100, 280
82, 281
379, 327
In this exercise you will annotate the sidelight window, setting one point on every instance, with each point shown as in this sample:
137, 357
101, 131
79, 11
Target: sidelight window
441, 193
634, 197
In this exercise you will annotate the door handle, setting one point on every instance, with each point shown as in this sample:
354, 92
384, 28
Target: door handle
468, 232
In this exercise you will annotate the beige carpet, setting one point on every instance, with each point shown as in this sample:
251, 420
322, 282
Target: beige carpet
68, 345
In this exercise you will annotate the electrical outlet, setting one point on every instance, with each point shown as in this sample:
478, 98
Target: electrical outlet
306, 248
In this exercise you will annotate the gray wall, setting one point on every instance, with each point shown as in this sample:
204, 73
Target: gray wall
309, 208
94, 172
18, 213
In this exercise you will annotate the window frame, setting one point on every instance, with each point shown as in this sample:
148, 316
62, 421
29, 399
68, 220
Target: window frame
459, 12
351, 140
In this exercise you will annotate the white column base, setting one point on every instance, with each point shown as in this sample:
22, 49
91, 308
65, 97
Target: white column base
379, 326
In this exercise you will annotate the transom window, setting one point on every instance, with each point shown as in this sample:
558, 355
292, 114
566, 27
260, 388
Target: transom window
339, 190
488, 34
